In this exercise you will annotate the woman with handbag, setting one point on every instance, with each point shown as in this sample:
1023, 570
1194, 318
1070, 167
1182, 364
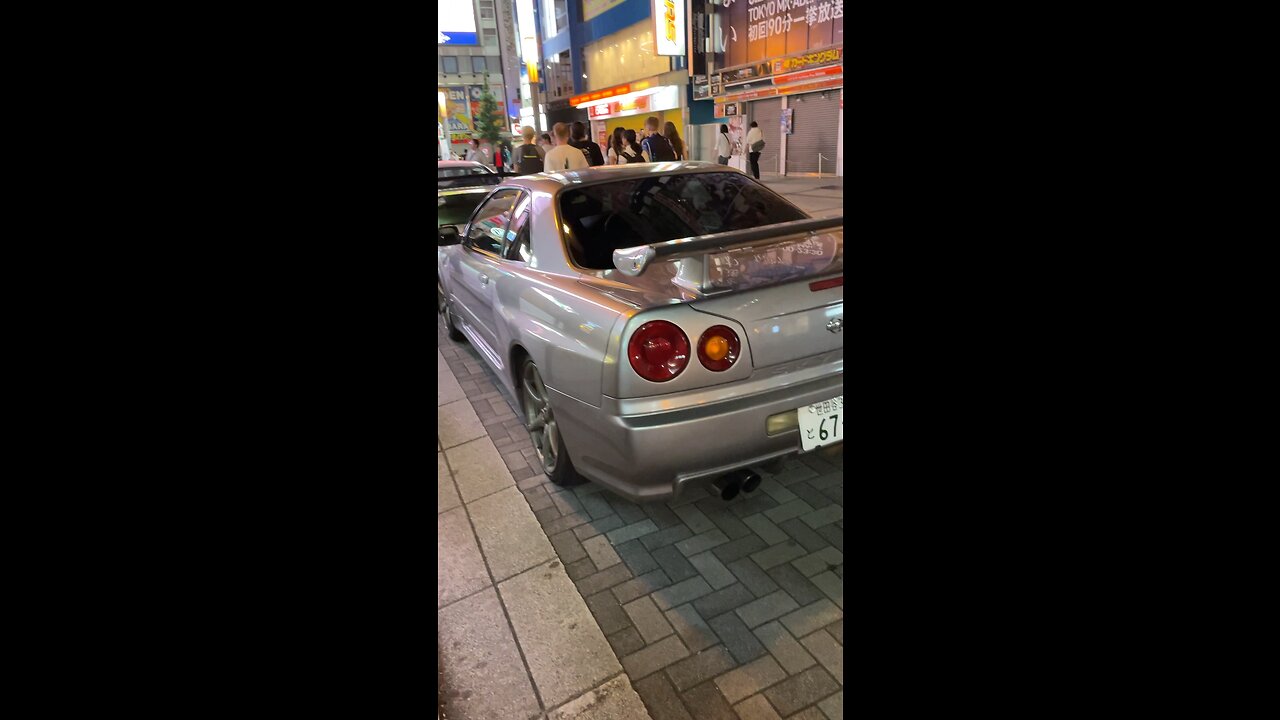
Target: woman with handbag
755, 143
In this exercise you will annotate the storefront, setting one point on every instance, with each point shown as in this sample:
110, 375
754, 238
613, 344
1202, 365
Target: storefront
628, 106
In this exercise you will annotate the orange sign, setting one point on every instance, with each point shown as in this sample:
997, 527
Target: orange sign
600, 94
808, 75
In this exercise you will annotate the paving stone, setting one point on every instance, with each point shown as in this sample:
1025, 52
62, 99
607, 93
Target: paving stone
778, 554
460, 569
713, 570
694, 518
756, 707
811, 495
753, 505
458, 424
580, 569
565, 500
834, 706
810, 713
837, 631
833, 534
478, 469
676, 566
805, 535
811, 617
829, 652
835, 493
661, 699
722, 601
692, 629
509, 535
795, 472
727, 522
709, 703
821, 561
823, 516
840, 572
755, 579
737, 637
547, 514
654, 657
632, 531
597, 507
628, 511
699, 543
681, 592
446, 492
636, 557
797, 691
793, 509
614, 700
789, 653
832, 585
737, 685
625, 641
666, 537
740, 548
567, 547
567, 522
765, 528
597, 527
796, 584
447, 388
761, 611
770, 487
601, 552
700, 667
662, 515
608, 613
564, 647
604, 579
476, 646
640, 586
538, 499
648, 619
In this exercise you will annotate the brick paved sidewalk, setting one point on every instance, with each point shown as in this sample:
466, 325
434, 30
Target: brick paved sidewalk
713, 610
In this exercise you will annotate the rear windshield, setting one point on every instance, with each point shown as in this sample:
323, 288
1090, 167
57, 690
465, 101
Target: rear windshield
455, 209
608, 217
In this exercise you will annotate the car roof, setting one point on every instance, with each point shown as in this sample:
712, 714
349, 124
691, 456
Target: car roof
459, 163
554, 181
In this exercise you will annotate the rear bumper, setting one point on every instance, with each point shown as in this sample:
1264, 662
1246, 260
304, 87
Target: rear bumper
655, 448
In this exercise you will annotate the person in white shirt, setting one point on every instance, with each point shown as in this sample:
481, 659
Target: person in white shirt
722, 145
563, 156
754, 136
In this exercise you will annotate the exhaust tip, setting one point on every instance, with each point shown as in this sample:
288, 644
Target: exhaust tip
750, 481
728, 486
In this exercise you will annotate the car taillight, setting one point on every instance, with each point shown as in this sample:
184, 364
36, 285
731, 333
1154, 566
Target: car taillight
659, 351
718, 348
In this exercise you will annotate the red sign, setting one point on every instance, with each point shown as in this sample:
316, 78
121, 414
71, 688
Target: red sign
600, 94
808, 75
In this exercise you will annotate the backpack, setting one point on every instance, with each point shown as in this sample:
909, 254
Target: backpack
631, 154
659, 149
530, 160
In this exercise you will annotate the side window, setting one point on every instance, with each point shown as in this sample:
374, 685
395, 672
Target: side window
487, 230
517, 247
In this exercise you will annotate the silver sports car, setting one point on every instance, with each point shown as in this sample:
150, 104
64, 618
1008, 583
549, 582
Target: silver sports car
660, 324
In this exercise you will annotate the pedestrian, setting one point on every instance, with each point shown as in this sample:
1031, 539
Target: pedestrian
722, 145
655, 147
616, 141
528, 157
498, 159
473, 152
631, 150
564, 156
545, 142
755, 143
673, 137
590, 150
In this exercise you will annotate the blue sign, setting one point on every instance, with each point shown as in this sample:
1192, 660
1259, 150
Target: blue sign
454, 37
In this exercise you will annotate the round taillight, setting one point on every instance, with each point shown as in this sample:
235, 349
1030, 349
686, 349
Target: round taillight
658, 350
718, 348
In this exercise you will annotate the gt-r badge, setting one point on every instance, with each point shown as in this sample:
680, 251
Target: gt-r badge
836, 325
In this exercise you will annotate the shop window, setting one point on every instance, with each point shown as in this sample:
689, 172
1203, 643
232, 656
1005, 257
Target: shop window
477, 64
449, 64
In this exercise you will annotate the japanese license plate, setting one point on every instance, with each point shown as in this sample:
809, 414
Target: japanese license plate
821, 423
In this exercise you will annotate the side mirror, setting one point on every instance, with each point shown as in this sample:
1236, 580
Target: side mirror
448, 236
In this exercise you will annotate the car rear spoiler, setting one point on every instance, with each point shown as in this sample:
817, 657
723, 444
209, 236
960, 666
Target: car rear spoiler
693, 251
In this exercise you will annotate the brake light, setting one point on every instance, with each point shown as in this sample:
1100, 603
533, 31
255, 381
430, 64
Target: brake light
718, 348
824, 284
659, 351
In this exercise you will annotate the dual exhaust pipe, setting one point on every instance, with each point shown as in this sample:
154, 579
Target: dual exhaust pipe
730, 485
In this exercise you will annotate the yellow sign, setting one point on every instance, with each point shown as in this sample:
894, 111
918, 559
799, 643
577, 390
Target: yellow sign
592, 8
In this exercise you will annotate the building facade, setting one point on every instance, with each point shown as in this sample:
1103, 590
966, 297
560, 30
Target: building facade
476, 53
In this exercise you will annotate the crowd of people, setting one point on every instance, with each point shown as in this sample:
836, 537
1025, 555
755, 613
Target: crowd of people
567, 147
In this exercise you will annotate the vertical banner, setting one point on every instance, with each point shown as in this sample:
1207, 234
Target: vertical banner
669, 27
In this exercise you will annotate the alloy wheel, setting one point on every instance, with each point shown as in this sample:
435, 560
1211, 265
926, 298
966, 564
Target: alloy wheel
539, 419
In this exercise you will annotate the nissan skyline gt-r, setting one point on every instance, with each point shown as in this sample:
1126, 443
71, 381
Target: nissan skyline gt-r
660, 324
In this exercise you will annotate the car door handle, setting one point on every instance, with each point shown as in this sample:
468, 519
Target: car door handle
484, 279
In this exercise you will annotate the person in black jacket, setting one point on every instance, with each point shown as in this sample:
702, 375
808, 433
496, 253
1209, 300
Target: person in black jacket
588, 148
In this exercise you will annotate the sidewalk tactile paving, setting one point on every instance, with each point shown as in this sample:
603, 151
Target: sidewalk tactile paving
669, 584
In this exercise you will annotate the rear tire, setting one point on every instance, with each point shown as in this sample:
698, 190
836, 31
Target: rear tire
544, 430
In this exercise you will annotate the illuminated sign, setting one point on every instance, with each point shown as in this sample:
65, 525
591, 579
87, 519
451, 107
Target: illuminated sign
600, 94
457, 24
669, 30
813, 59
